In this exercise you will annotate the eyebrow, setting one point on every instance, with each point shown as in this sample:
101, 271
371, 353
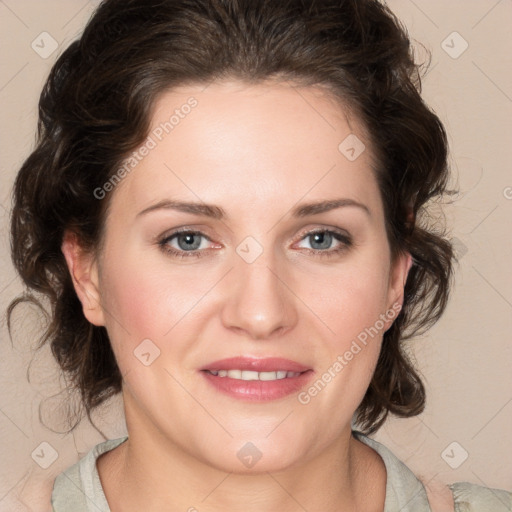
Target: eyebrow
325, 206
216, 212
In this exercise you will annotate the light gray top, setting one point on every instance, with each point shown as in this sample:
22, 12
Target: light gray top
78, 489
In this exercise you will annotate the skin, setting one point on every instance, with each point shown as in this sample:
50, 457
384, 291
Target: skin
258, 152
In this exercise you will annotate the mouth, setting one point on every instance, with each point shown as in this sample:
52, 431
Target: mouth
248, 375
253, 379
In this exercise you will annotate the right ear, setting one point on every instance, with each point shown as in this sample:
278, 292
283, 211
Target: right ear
83, 269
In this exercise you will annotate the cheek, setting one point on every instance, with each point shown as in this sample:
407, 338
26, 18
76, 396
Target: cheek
344, 374
352, 306
148, 299
350, 300
136, 302
139, 304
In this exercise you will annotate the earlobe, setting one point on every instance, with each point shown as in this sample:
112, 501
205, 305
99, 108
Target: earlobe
82, 267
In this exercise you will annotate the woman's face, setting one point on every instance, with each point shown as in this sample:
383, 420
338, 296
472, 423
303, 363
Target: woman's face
249, 339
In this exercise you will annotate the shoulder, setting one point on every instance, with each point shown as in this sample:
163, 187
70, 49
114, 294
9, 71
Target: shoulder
404, 491
403, 486
79, 488
470, 497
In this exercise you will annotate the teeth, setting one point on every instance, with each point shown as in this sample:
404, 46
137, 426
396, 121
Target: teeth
268, 375
248, 375
252, 375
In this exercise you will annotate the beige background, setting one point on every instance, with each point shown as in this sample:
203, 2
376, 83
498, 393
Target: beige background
465, 359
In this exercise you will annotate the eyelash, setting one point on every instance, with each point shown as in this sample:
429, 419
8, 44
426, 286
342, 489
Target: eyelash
344, 238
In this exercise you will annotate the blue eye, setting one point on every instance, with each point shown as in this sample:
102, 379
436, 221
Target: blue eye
187, 243
321, 242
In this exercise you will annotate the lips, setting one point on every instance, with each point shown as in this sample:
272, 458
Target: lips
256, 379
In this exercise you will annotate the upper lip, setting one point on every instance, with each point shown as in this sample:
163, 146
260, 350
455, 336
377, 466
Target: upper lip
268, 364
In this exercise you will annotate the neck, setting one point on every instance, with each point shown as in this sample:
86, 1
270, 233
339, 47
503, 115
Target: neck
150, 472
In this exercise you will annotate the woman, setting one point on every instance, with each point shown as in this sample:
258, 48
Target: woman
224, 211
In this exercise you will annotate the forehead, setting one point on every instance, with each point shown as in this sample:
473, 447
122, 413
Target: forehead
250, 145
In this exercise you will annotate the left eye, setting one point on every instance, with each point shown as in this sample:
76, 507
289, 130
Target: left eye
323, 240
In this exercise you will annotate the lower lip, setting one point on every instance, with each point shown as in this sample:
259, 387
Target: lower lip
258, 390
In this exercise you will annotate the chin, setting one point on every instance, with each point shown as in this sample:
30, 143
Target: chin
252, 457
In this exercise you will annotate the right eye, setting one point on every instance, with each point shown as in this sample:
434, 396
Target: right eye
185, 243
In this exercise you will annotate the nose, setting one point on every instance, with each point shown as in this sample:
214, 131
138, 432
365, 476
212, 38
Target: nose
258, 304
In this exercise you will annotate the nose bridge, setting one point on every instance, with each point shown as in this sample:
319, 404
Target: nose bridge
258, 302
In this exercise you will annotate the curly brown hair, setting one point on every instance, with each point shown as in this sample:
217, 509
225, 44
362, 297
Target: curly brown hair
95, 109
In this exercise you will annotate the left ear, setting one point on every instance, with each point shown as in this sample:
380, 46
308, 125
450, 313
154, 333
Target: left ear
397, 279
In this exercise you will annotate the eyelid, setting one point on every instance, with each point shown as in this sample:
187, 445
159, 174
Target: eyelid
322, 229
166, 237
183, 230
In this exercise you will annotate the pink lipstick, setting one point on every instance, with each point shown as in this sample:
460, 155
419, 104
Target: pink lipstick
257, 379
